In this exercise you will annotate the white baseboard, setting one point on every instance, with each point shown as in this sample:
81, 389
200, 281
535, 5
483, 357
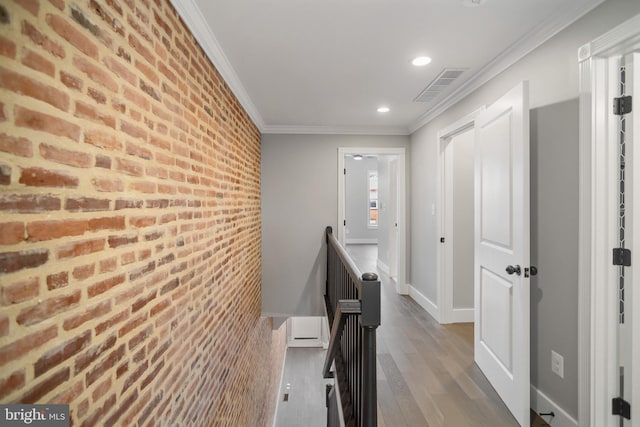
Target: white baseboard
425, 303
462, 315
541, 403
382, 267
361, 241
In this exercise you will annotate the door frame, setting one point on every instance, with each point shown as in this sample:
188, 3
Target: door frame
444, 217
402, 287
597, 298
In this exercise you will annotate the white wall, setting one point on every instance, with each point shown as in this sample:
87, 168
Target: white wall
552, 71
357, 200
299, 199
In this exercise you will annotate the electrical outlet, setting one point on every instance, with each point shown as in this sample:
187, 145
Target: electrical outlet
557, 364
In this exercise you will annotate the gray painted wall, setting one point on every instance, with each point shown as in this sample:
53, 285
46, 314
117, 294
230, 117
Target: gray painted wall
554, 248
299, 199
385, 216
462, 149
552, 71
357, 199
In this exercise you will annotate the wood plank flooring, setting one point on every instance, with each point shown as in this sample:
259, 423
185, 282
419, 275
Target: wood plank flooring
426, 373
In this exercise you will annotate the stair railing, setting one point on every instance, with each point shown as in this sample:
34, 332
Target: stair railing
352, 301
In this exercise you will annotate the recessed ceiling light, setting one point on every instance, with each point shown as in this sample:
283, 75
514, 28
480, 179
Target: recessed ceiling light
421, 61
383, 109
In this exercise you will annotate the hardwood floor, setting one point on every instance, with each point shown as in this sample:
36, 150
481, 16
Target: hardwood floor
426, 373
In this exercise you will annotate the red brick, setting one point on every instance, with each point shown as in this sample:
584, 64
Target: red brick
72, 35
103, 162
129, 167
108, 223
110, 185
4, 325
141, 49
58, 280
94, 312
108, 324
66, 157
83, 271
97, 95
72, 82
41, 40
88, 357
13, 382
108, 265
142, 221
20, 291
102, 139
118, 241
5, 174
104, 366
143, 187
7, 48
42, 389
32, 6
28, 203
97, 415
87, 204
19, 146
87, 111
44, 122
132, 324
58, 3
38, 177
70, 394
95, 73
38, 62
137, 98
15, 261
48, 308
133, 130
56, 229
101, 389
135, 375
27, 86
104, 285
81, 248
62, 352
120, 70
22, 346
122, 407
11, 233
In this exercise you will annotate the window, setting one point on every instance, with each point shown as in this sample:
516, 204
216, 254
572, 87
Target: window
373, 198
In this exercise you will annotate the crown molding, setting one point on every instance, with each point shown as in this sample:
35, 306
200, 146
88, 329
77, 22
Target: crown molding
526, 44
193, 18
336, 130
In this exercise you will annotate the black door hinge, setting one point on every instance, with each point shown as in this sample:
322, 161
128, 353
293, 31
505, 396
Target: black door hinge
621, 407
442, 240
622, 256
345, 222
622, 105
345, 171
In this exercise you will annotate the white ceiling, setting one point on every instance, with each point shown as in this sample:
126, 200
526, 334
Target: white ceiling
324, 66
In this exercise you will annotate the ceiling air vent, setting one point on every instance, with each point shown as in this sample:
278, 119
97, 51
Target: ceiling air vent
439, 84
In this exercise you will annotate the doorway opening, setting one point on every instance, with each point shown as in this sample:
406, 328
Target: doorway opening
456, 294
372, 207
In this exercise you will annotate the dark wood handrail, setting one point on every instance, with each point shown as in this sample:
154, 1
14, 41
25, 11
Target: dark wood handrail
352, 301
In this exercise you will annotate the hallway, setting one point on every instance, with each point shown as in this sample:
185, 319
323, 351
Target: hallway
426, 374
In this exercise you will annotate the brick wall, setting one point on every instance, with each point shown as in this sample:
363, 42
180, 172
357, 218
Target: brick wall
130, 221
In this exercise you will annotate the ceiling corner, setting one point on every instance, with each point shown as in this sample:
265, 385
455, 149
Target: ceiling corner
195, 21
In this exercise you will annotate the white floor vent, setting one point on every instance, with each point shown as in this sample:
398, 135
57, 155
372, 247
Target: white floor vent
439, 84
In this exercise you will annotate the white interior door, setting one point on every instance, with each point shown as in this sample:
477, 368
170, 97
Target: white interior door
501, 268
